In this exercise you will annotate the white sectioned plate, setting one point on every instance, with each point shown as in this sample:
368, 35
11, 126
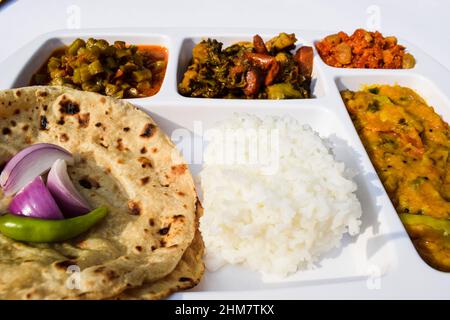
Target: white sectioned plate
381, 261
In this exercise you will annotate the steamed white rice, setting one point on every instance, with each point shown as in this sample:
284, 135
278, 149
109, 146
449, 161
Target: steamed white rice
281, 212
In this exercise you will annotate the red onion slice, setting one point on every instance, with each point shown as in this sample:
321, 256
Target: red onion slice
66, 195
35, 201
30, 163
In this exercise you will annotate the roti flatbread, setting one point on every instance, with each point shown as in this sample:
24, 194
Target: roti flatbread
122, 160
186, 275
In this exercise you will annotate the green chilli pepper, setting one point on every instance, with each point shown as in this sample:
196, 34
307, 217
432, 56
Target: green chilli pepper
28, 229
436, 224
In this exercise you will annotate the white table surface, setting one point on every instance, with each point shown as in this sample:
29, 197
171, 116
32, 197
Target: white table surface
422, 22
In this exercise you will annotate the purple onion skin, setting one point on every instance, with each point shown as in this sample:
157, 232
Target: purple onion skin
19, 169
34, 200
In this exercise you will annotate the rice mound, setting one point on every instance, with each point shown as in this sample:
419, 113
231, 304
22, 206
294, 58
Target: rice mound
279, 220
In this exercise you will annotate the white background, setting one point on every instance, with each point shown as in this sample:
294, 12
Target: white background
425, 23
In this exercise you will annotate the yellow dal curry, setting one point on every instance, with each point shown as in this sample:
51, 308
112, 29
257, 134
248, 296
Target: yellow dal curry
409, 145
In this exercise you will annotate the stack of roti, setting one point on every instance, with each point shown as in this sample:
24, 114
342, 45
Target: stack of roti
148, 246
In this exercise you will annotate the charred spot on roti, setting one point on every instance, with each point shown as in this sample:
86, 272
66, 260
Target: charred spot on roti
13, 123
126, 129
134, 208
85, 183
153, 248
102, 100
185, 279
17, 112
145, 180
45, 107
178, 217
18, 93
68, 106
138, 248
6, 131
103, 145
63, 137
111, 275
162, 243
63, 265
41, 93
151, 222
88, 183
120, 145
164, 231
83, 120
98, 124
179, 169
145, 162
180, 193
154, 149
61, 121
143, 150
148, 131
43, 122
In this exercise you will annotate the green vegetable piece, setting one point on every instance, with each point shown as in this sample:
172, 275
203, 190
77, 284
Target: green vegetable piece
408, 61
102, 44
110, 89
281, 42
95, 67
85, 75
90, 86
142, 75
374, 106
90, 43
118, 94
111, 63
74, 46
120, 53
374, 90
53, 63
128, 67
143, 86
119, 44
436, 224
282, 91
28, 229
159, 65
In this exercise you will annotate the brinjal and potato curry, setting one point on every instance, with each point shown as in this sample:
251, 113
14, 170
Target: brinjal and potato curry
118, 70
252, 70
409, 145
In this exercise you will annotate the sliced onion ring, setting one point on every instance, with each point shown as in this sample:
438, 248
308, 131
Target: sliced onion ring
66, 195
30, 163
35, 201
